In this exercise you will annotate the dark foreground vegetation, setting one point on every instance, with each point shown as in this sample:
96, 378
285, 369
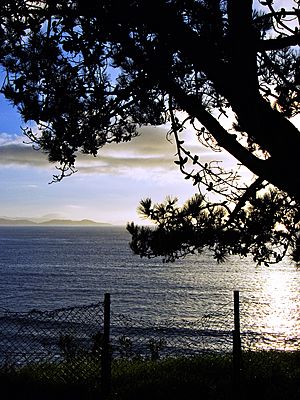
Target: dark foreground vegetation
265, 375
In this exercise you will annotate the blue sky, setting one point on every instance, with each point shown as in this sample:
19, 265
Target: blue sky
107, 188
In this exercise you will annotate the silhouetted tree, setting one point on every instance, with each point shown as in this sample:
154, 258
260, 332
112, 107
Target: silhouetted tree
91, 72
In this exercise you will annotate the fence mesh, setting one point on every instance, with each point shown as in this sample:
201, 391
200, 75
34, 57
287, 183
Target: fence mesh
138, 337
269, 331
64, 338
66, 344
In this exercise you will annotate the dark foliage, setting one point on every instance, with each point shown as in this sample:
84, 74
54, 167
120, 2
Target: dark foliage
266, 228
93, 72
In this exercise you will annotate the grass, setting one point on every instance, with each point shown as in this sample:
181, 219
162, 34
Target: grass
172, 378
265, 375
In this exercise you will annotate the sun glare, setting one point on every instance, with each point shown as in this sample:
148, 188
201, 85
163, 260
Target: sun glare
282, 318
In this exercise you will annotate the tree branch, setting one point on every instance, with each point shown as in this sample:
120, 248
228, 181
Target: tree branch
270, 170
193, 106
279, 43
249, 192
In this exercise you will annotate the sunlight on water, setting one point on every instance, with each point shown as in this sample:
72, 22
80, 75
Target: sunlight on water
281, 307
52, 268
282, 319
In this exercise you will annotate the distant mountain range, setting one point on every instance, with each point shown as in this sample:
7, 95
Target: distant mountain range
52, 222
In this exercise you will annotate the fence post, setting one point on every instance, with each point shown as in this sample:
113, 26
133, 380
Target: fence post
237, 347
106, 353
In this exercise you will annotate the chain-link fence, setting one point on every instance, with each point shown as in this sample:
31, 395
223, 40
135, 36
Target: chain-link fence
59, 342
141, 338
69, 343
76, 344
268, 332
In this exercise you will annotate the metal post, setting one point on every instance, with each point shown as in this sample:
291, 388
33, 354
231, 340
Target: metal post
106, 354
237, 346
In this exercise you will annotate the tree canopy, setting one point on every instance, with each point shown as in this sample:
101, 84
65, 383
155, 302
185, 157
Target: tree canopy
88, 73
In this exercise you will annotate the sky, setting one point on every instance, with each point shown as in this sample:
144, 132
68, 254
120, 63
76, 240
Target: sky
107, 188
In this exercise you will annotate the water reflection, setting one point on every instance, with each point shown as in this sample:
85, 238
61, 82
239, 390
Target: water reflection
280, 323
48, 268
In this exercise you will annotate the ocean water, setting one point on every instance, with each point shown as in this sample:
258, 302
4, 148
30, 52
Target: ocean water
52, 267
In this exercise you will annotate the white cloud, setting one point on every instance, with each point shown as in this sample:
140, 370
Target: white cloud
149, 156
19, 154
30, 186
73, 207
7, 139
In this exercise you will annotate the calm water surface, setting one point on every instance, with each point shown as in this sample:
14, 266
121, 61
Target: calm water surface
53, 267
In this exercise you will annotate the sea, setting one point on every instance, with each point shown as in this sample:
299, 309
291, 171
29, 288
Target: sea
46, 268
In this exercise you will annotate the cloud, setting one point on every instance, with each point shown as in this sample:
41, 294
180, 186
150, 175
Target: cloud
30, 186
150, 151
7, 139
73, 206
19, 154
